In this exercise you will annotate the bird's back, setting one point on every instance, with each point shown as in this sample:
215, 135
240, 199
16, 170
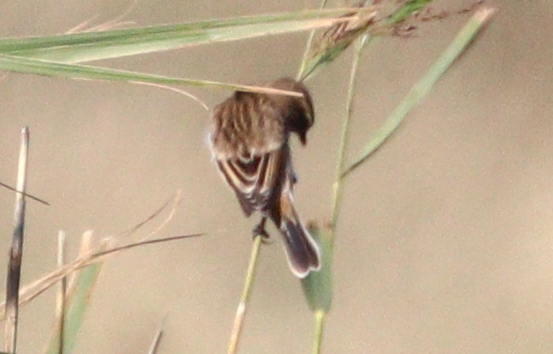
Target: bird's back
248, 140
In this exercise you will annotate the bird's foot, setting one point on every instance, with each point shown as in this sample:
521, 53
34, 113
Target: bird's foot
259, 230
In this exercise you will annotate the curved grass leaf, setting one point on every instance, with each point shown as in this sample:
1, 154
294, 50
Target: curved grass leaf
77, 71
423, 87
80, 47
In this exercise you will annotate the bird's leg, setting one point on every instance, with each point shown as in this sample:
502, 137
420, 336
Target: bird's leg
259, 229
292, 173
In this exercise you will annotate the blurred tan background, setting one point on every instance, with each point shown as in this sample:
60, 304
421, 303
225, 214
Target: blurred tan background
445, 242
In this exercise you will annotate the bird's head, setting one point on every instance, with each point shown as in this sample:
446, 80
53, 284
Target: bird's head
298, 111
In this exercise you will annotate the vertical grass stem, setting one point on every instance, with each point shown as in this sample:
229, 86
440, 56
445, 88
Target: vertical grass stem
16, 252
244, 299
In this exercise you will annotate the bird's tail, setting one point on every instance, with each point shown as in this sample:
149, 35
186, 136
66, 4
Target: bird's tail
303, 252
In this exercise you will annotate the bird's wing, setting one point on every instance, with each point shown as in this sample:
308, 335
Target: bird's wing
256, 179
248, 142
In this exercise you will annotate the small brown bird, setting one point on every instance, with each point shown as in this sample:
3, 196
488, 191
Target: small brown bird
249, 142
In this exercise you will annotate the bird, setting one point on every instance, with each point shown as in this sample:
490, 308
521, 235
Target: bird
249, 141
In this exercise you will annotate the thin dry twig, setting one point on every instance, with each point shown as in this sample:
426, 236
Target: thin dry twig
62, 291
30, 196
99, 252
16, 252
81, 27
31, 291
159, 335
174, 89
114, 23
176, 202
175, 199
98, 256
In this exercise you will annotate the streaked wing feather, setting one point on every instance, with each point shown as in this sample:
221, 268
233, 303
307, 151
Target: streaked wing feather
255, 180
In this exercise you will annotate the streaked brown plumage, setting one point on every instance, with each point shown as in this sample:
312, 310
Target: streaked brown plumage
249, 141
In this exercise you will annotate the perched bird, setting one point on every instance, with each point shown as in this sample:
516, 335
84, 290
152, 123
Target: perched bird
249, 141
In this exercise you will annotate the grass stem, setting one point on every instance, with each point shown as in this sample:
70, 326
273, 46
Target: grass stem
338, 183
244, 299
320, 317
16, 252
302, 74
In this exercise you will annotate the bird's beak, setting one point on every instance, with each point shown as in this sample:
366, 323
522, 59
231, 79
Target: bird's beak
303, 138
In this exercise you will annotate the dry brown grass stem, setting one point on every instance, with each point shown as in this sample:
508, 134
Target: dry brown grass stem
13, 280
106, 247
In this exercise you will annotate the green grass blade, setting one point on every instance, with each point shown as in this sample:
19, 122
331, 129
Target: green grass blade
338, 190
408, 9
423, 87
76, 305
317, 287
79, 47
76, 71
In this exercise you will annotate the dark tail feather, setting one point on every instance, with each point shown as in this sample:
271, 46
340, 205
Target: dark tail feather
302, 250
